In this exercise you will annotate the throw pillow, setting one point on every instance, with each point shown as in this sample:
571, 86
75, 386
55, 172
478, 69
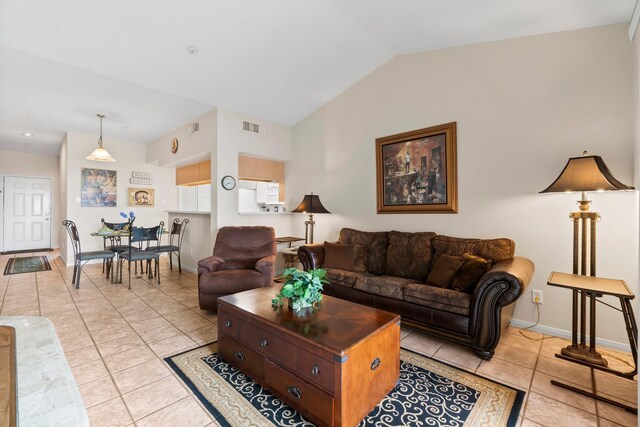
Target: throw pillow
444, 270
472, 269
345, 257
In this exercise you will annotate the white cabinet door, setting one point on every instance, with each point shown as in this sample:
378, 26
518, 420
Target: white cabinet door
261, 192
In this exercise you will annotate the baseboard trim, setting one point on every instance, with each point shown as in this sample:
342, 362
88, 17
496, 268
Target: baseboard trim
547, 330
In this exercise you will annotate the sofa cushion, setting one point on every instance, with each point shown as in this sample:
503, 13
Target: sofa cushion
343, 277
376, 243
388, 286
494, 250
345, 257
230, 281
445, 267
438, 298
409, 255
467, 277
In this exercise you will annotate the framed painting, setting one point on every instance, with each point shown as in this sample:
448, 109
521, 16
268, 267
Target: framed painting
416, 172
141, 197
99, 187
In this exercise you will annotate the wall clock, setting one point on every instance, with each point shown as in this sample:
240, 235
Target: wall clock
228, 182
174, 145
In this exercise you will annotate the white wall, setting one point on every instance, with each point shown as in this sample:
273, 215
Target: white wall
35, 165
523, 107
129, 157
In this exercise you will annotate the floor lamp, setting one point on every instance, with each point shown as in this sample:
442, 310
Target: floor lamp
310, 205
582, 174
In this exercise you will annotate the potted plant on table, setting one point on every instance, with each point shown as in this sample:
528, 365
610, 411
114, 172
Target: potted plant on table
303, 289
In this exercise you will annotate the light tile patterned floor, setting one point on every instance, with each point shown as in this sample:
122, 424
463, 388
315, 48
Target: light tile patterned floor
114, 340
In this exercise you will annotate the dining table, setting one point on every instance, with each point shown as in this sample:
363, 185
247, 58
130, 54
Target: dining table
118, 234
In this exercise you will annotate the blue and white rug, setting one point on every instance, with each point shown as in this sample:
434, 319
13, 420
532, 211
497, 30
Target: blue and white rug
429, 393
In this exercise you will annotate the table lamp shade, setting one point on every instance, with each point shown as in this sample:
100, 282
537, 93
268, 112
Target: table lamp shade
587, 173
311, 204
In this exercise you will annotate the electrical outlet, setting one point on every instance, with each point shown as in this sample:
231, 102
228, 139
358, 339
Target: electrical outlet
536, 296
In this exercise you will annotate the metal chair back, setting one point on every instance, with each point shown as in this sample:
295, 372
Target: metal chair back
177, 229
74, 235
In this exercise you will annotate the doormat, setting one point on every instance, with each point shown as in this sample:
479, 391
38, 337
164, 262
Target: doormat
29, 264
25, 251
428, 391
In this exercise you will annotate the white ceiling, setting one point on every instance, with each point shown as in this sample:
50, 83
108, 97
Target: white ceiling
63, 61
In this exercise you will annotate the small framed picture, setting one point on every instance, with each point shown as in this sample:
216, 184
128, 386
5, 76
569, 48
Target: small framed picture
141, 196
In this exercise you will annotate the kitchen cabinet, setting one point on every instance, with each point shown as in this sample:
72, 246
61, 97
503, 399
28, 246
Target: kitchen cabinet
198, 173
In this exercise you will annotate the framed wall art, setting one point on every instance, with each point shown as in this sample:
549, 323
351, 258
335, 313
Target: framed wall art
416, 172
99, 187
141, 196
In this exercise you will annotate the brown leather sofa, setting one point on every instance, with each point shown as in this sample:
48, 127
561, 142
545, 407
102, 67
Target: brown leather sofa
243, 258
397, 266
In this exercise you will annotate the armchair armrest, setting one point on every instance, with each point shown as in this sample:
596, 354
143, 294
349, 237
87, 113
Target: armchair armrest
210, 264
500, 286
311, 256
266, 266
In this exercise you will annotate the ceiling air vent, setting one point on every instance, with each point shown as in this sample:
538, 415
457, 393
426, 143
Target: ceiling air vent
253, 127
193, 128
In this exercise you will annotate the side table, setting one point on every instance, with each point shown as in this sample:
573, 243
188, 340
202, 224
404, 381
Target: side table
592, 288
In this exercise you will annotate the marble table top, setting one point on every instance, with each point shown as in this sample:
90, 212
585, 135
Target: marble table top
47, 392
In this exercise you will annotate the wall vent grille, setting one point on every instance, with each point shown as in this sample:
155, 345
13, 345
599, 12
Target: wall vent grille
193, 128
253, 127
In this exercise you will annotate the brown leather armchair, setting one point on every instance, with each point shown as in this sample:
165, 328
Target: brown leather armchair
243, 258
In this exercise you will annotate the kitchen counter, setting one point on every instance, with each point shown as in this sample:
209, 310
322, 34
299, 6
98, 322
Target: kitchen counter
264, 213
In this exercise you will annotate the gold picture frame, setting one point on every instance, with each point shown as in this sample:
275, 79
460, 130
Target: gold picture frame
141, 196
416, 172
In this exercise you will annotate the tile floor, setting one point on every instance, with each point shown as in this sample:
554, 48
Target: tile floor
114, 340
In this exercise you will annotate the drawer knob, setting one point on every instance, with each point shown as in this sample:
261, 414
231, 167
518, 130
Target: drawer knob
295, 392
264, 343
239, 355
227, 323
315, 370
376, 362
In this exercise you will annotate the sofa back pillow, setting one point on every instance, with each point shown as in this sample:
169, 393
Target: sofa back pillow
444, 269
466, 279
376, 243
409, 255
494, 250
345, 257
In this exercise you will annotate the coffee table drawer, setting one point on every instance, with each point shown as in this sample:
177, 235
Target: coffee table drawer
242, 357
270, 345
298, 392
316, 369
228, 324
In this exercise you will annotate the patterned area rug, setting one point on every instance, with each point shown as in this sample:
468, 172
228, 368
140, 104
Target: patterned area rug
29, 264
429, 393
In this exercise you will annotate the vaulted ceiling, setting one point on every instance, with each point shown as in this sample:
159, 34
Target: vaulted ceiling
61, 62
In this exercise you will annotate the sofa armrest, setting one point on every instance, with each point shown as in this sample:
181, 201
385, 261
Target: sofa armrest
210, 264
311, 256
502, 285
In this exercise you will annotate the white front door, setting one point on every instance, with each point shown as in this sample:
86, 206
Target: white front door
27, 213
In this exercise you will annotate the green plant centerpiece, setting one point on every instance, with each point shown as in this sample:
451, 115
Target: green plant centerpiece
303, 289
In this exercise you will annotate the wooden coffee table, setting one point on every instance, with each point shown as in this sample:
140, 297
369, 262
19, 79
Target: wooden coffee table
334, 365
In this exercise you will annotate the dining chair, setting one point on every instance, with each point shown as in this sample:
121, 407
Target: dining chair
176, 236
140, 236
115, 242
79, 257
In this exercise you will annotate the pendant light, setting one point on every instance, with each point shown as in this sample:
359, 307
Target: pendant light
100, 154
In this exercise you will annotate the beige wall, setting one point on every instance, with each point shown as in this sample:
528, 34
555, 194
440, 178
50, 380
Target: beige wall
35, 165
129, 157
523, 107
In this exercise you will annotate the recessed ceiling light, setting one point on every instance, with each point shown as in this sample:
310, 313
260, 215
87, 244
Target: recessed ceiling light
27, 134
193, 49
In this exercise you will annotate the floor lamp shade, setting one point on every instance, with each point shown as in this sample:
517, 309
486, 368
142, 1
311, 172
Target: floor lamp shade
310, 205
587, 173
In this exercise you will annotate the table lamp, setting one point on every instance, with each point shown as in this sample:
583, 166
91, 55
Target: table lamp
310, 205
586, 173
